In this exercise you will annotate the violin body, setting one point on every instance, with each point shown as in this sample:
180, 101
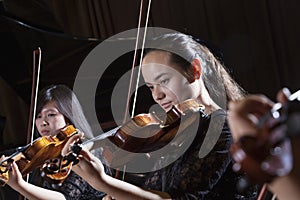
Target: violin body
39, 154
150, 132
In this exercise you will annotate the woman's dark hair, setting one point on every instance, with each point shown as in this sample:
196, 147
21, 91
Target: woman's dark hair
183, 49
67, 104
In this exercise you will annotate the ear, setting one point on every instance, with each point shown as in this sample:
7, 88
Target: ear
195, 70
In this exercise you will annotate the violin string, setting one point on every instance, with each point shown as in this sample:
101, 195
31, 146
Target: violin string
141, 58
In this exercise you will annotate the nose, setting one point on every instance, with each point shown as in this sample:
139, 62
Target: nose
42, 122
158, 93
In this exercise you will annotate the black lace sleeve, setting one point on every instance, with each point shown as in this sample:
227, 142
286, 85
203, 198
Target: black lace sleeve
76, 188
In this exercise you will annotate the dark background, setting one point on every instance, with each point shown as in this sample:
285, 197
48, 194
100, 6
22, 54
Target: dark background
258, 41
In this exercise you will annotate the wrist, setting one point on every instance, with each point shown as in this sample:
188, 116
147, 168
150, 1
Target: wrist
18, 185
99, 180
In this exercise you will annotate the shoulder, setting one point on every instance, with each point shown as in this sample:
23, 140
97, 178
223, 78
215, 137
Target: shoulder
217, 135
218, 122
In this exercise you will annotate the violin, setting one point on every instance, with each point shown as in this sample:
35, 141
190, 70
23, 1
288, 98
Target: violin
148, 132
44, 152
268, 155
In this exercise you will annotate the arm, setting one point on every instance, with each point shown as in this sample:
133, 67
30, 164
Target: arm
195, 177
91, 169
28, 190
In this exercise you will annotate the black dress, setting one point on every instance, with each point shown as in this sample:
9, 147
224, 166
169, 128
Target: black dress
196, 175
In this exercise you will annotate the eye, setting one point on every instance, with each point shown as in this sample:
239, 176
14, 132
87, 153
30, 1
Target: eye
39, 116
51, 114
164, 81
150, 87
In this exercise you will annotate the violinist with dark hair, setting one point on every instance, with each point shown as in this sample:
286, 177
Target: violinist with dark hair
259, 119
57, 107
177, 68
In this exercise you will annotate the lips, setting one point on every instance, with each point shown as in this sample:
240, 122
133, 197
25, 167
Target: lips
167, 105
45, 132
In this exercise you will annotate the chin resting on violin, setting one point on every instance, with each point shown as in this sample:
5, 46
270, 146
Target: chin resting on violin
250, 118
53, 114
203, 170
